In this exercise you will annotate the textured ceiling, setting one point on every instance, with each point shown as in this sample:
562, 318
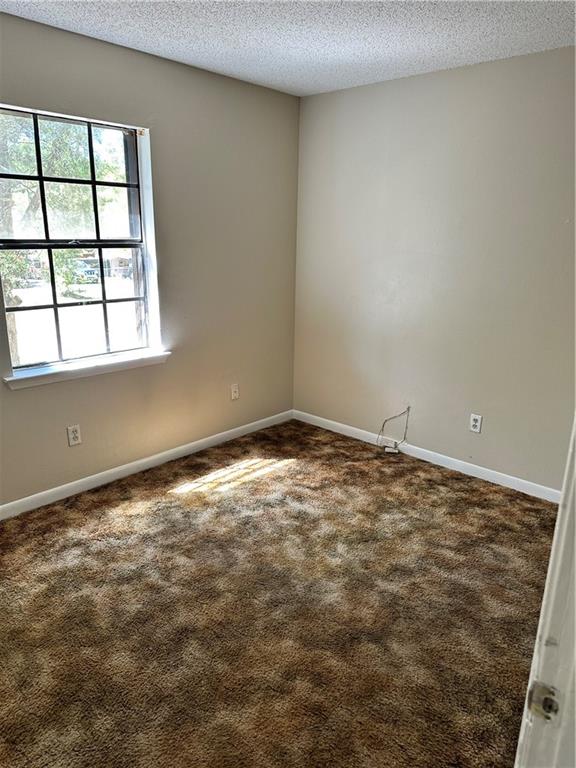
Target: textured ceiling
311, 47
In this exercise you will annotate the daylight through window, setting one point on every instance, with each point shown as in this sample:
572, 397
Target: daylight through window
73, 251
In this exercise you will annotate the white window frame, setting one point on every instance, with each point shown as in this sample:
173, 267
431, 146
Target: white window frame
152, 354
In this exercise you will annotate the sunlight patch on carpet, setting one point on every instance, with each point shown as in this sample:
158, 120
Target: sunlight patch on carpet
223, 480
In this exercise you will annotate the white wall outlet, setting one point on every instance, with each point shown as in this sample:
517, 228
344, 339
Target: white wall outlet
475, 423
234, 392
74, 434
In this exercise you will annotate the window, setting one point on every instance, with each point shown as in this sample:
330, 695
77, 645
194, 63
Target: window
76, 242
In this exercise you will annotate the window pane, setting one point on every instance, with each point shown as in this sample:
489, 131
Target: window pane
114, 154
77, 272
70, 212
64, 148
25, 278
123, 275
20, 210
32, 336
118, 213
82, 330
17, 149
126, 325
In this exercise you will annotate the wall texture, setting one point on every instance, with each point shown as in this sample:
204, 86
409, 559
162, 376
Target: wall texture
224, 157
435, 260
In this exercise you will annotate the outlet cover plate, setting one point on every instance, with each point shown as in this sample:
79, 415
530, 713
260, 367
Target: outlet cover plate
74, 435
475, 423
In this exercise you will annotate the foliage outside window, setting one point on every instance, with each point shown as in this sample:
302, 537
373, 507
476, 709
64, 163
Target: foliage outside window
73, 256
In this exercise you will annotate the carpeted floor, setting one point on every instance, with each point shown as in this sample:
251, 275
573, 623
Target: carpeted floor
293, 598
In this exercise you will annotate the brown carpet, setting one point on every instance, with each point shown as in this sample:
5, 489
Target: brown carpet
289, 599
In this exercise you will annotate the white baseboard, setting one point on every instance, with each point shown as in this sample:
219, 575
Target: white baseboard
499, 478
336, 426
28, 503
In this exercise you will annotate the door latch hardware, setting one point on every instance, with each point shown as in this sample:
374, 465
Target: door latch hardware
543, 700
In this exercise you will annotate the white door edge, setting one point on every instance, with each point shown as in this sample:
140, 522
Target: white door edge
542, 743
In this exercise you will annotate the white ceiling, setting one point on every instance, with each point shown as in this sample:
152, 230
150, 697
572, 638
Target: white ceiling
310, 47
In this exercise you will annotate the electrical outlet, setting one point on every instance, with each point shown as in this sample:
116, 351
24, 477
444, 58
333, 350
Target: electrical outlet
74, 435
475, 423
234, 392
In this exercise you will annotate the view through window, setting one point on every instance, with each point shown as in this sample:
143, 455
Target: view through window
73, 257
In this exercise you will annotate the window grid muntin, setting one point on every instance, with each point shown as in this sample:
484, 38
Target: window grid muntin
68, 180
97, 228
8, 243
58, 244
140, 298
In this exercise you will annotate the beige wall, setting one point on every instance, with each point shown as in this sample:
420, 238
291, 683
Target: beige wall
435, 260
224, 157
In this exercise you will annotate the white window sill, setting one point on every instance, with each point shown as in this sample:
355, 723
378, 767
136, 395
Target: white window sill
79, 369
